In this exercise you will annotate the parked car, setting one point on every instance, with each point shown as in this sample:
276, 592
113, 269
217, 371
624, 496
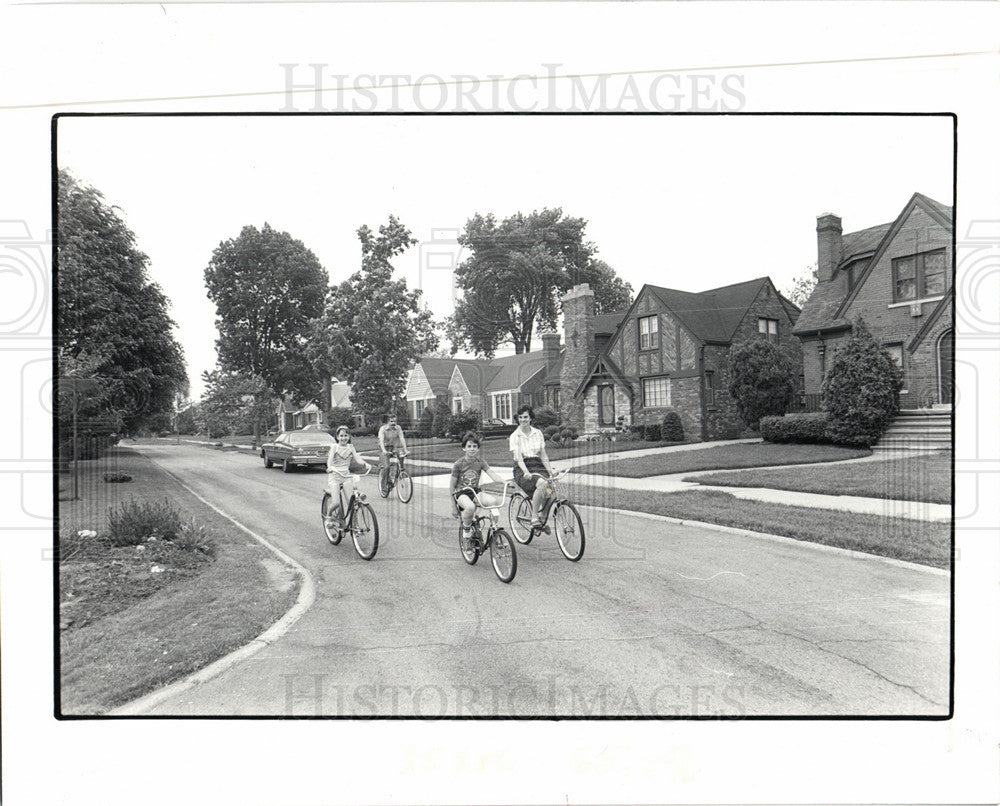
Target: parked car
297, 448
492, 427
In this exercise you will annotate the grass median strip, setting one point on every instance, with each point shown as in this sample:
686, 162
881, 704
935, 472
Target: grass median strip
722, 457
161, 588
921, 477
915, 541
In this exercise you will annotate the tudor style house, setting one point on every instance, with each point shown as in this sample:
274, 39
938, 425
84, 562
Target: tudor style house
671, 351
668, 350
897, 277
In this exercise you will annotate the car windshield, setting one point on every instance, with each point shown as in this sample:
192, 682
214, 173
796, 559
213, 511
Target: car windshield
311, 438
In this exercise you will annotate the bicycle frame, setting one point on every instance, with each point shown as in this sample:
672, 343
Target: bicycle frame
492, 509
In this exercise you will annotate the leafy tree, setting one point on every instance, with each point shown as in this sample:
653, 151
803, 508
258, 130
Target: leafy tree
861, 390
267, 286
761, 380
512, 281
802, 286
235, 403
373, 327
112, 322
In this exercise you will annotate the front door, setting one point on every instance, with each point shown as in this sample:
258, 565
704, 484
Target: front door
946, 366
606, 406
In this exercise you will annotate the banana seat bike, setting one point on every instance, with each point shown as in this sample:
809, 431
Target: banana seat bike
359, 519
393, 476
566, 521
488, 534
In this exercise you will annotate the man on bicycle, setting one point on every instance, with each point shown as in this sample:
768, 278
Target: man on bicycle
390, 438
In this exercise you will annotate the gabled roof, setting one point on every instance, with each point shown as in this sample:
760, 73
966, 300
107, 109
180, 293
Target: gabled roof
943, 305
438, 372
603, 364
715, 314
608, 322
824, 310
514, 370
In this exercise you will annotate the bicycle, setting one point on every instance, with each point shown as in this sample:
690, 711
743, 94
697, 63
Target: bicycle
392, 476
359, 519
566, 519
502, 553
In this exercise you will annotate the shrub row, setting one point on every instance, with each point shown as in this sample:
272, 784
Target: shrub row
803, 428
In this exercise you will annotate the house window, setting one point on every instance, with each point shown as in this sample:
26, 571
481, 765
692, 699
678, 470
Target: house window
555, 399
456, 405
768, 328
656, 392
919, 276
418, 408
709, 387
895, 351
649, 332
606, 405
501, 406
821, 350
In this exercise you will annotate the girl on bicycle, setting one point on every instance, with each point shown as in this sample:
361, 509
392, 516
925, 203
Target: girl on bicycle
531, 462
338, 471
465, 475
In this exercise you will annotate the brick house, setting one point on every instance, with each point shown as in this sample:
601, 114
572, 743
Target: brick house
499, 386
898, 278
671, 350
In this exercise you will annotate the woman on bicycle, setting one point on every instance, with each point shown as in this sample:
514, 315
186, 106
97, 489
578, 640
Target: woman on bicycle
338, 471
531, 462
465, 475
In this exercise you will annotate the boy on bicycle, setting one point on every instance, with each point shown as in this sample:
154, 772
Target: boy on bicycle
465, 475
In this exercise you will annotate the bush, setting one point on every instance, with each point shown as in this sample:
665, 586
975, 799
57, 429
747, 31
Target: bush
340, 415
117, 478
672, 429
652, 432
550, 431
426, 421
441, 421
136, 521
545, 416
568, 433
760, 380
861, 390
802, 428
463, 421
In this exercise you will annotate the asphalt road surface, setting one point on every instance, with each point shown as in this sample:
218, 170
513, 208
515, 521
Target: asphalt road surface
656, 620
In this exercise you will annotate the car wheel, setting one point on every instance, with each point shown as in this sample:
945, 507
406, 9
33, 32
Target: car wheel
287, 466
267, 462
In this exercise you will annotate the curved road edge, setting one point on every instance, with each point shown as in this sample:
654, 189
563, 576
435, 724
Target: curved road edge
775, 538
305, 599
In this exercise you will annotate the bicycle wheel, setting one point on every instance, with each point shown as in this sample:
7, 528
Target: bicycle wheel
383, 482
470, 555
569, 530
332, 534
364, 531
503, 556
404, 487
519, 515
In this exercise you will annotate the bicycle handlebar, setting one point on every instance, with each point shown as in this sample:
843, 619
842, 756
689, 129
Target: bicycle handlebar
503, 499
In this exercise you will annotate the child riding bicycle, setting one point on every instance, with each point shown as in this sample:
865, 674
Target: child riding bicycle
465, 476
338, 472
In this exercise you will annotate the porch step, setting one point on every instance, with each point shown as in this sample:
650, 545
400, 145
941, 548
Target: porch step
918, 429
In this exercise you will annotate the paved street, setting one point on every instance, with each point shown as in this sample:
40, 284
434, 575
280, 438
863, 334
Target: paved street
657, 619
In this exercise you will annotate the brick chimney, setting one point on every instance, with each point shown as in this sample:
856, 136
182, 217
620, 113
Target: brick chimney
550, 349
578, 324
830, 245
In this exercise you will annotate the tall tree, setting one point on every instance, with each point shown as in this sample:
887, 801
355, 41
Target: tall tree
512, 281
235, 403
374, 326
802, 286
267, 286
112, 322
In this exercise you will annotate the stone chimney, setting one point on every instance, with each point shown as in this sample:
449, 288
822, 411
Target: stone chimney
550, 349
578, 324
830, 246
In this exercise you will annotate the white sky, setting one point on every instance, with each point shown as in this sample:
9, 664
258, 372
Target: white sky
682, 201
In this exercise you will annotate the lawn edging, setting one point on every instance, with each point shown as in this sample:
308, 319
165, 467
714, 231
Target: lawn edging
305, 599
774, 538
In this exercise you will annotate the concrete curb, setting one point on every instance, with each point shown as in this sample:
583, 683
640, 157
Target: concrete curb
305, 599
858, 555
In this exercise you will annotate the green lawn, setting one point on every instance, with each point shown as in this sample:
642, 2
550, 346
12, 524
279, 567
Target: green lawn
914, 541
722, 457
921, 477
495, 450
126, 629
